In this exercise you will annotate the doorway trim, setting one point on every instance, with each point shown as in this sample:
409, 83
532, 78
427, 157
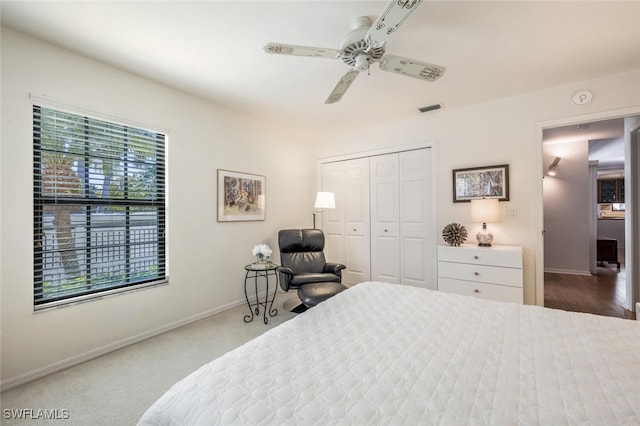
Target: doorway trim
632, 228
633, 276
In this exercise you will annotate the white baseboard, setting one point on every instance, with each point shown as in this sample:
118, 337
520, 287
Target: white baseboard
638, 311
103, 350
567, 271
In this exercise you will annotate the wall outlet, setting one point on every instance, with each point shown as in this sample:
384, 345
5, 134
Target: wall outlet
510, 213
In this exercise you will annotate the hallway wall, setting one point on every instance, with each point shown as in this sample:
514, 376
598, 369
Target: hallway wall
566, 209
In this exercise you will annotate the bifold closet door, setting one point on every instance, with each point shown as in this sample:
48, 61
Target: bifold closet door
346, 227
385, 218
401, 216
381, 228
333, 219
417, 241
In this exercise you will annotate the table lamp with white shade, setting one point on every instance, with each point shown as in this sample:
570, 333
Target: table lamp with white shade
485, 210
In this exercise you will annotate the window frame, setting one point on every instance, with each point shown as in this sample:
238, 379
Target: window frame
157, 203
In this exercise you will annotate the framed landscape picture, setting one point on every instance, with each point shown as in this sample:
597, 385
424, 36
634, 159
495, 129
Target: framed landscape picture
479, 182
241, 196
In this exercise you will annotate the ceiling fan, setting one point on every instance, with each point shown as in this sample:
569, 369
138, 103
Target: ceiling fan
365, 45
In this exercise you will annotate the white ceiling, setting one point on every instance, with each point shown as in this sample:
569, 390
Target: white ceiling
594, 130
213, 49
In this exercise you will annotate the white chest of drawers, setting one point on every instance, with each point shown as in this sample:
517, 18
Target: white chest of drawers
486, 272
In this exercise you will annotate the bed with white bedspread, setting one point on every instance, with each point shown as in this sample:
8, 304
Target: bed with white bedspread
388, 354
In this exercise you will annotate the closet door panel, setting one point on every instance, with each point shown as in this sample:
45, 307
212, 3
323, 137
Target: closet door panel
357, 260
385, 253
416, 217
384, 209
413, 219
384, 264
356, 229
333, 248
333, 176
413, 262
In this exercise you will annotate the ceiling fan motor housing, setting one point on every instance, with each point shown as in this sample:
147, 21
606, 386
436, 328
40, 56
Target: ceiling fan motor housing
354, 45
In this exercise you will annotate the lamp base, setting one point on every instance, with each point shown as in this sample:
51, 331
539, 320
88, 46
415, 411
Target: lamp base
484, 237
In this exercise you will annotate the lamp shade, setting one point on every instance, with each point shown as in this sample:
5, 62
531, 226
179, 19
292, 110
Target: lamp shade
485, 210
325, 200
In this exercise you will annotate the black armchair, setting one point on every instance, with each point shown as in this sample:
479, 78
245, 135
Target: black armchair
305, 268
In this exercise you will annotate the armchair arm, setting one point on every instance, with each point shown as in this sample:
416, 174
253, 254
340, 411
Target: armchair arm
285, 277
334, 268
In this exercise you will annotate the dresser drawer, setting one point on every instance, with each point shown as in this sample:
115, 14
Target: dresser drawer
481, 290
480, 273
507, 256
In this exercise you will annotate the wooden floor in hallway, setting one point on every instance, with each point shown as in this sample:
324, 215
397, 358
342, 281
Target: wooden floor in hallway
601, 294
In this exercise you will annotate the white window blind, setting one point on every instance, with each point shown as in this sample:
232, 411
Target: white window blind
99, 207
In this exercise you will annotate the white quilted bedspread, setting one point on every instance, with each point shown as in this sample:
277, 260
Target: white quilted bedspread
388, 354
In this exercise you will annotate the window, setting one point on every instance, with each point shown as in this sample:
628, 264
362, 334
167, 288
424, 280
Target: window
99, 207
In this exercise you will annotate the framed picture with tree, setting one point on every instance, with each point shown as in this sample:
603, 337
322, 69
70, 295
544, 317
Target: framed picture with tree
481, 182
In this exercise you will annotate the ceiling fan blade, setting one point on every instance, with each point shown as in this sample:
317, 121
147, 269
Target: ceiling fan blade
341, 87
411, 67
292, 49
393, 15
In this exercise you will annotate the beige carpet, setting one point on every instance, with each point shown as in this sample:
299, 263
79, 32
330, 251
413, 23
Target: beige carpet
117, 388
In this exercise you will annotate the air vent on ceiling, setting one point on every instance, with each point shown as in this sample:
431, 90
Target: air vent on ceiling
430, 108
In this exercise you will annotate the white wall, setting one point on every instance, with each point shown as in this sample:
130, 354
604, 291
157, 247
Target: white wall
566, 209
206, 258
507, 131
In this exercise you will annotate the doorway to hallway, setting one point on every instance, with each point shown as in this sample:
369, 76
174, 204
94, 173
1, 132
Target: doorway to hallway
579, 286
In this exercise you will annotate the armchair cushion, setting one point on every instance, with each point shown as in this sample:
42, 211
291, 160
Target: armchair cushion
312, 294
303, 262
300, 279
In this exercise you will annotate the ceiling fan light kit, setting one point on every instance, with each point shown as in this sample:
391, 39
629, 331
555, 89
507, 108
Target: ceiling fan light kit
365, 45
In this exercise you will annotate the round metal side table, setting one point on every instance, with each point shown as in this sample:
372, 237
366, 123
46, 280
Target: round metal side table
268, 272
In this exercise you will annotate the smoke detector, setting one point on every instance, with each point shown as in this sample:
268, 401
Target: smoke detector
582, 97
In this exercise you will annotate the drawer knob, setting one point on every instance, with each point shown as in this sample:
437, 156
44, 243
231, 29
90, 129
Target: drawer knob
476, 274
386, 230
476, 290
476, 257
